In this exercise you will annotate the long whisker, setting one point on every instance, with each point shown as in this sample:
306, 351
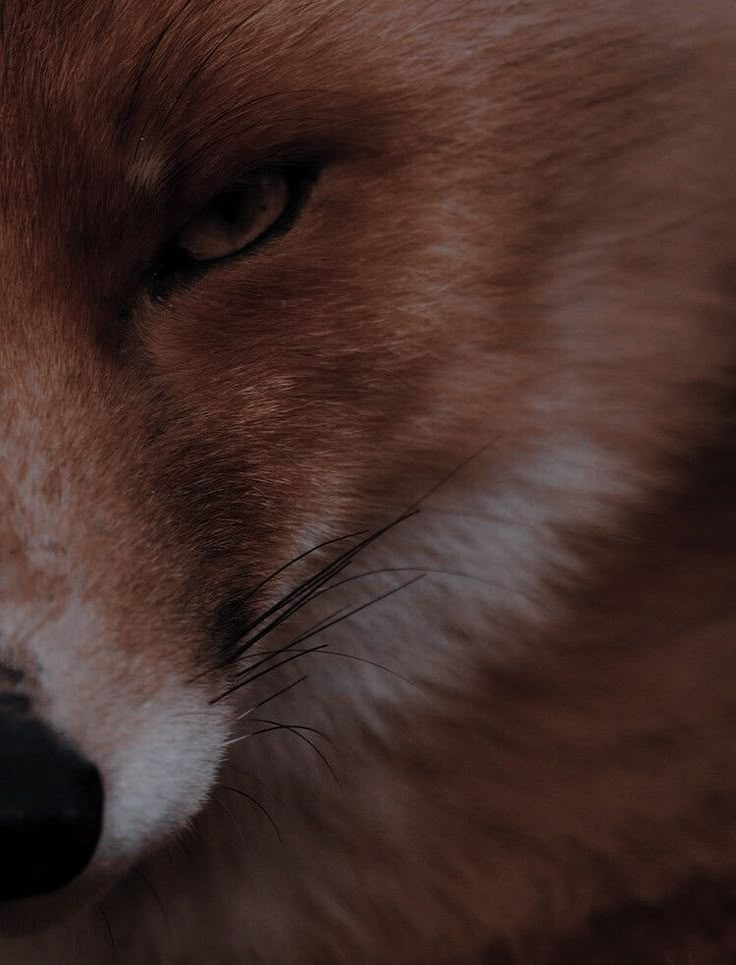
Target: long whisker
268, 700
235, 655
430, 571
110, 935
156, 897
297, 559
294, 599
358, 659
275, 666
452, 474
307, 635
320, 583
236, 823
297, 731
254, 801
290, 727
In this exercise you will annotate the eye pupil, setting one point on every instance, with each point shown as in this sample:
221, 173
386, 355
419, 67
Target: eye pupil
229, 207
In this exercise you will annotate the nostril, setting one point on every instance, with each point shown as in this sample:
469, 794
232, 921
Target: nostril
51, 804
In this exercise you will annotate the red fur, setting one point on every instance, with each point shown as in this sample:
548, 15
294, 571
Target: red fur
521, 245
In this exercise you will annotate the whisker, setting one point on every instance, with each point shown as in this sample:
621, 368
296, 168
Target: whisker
332, 568
156, 896
236, 654
232, 817
320, 623
474, 517
297, 559
291, 727
230, 765
296, 731
109, 933
236, 740
319, 583
311, 633
294, 599
262, 673
371, 663
254, 801
370, 538
179, 835
268, 700
316, 626
353, 656
452, 474
430, 571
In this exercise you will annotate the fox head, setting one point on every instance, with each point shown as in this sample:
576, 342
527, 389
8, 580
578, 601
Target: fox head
271, 272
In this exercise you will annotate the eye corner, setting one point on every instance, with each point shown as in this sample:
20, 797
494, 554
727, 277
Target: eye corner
172, 270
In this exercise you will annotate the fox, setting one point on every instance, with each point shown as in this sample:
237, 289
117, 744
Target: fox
367, 573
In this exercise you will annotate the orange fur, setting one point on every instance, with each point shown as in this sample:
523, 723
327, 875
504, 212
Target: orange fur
521, 246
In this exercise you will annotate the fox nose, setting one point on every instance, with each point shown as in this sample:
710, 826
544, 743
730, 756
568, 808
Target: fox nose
51, 802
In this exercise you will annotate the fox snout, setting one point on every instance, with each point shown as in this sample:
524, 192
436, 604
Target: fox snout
99, 702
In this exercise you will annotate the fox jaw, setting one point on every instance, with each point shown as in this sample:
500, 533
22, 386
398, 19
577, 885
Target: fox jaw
308, 308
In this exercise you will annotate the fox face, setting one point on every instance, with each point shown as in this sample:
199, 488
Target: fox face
342, 345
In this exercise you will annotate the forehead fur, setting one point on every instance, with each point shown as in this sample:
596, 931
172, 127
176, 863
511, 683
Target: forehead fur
199, 92
192, 80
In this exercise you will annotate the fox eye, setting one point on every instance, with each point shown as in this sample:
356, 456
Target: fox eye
257, 208
239, 217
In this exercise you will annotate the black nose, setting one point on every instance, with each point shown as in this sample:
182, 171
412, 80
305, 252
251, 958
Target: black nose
50, 808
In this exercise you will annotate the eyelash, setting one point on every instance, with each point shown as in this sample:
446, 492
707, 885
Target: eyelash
175, 269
